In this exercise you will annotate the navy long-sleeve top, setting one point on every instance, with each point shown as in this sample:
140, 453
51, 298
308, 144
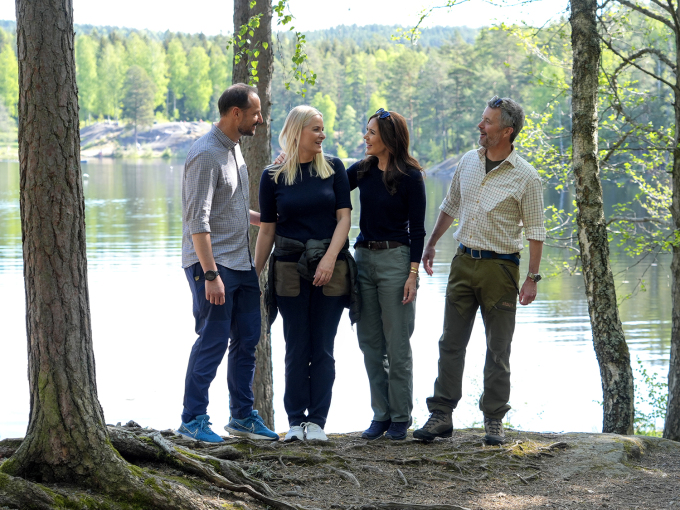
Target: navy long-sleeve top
384, 217
306, 209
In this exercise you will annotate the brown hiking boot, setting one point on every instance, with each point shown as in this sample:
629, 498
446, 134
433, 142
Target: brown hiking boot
495, 434
440, 424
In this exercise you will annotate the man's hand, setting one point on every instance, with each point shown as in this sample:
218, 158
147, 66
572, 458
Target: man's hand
528, 292
428, 259
214, 291
324, 271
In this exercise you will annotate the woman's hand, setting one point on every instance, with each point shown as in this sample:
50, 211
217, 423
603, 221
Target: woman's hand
324, 271
410, 289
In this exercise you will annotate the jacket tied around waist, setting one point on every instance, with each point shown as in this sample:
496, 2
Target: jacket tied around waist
311, 254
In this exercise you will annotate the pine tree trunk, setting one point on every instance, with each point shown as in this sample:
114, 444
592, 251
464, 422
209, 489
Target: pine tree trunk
66, 438
672, 425
257, 154
608, 338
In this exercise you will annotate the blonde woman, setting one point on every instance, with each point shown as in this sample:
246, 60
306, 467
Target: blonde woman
305, 212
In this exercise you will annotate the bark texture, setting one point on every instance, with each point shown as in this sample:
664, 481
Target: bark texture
66, 437
672, 425
258, 154
608, 338
66, 440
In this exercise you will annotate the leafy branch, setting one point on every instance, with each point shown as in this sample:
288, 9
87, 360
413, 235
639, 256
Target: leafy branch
244, 49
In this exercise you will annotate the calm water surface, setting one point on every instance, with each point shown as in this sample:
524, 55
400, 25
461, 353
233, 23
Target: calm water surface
143, 326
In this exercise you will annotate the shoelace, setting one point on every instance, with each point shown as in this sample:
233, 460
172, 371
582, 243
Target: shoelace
495, 427
435, 418
204, 424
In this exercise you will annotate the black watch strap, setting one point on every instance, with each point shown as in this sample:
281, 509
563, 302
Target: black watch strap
210, 275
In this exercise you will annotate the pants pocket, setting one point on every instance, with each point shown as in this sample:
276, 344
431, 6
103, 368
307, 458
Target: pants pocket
512, 278
339, 282
286, 279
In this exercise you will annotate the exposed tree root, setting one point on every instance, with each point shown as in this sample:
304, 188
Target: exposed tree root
197, 475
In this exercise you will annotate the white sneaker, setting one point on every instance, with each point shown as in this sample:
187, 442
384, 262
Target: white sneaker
314, 432
295, 434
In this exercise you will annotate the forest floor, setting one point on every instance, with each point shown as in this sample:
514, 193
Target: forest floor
532, 470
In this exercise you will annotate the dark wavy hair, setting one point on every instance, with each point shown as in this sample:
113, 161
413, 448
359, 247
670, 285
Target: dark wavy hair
394, 133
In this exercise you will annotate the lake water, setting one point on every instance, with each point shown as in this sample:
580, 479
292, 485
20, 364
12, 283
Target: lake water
143, 326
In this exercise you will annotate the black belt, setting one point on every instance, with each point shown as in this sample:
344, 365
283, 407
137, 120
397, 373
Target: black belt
378, 245
484, 254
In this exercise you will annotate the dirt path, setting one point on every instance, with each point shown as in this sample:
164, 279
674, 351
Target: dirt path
565, 471
531, 471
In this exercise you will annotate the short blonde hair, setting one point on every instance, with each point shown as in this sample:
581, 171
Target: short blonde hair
289, 139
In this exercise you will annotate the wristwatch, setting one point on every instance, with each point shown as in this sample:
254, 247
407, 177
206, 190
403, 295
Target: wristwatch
535, 277
210, 275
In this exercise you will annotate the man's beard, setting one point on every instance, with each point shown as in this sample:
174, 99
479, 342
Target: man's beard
490, 142
244, 131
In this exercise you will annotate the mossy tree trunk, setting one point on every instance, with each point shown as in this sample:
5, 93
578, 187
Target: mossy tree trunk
257, 154
608, 337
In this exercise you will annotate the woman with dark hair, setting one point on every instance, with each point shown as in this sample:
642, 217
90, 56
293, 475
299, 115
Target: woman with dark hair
388, 253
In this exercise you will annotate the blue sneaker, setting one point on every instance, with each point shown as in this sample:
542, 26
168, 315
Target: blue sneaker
251, 427
376, 430
199, 429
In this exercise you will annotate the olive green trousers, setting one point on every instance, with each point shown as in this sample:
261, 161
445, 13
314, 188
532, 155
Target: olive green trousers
490, 285
385, 330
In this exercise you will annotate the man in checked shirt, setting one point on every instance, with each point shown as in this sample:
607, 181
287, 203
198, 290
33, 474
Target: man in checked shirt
219, 267
493, 193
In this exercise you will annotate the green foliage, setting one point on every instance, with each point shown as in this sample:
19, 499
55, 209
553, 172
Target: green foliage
349, 130
326, 106
198, 88
86, 75
651, 394
9, 75
177, 72
138, 99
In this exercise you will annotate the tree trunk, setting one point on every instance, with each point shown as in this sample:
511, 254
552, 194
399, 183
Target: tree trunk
66, 438
608, 338
672, 425
257, 154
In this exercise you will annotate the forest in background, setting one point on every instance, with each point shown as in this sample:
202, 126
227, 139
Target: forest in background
439, 84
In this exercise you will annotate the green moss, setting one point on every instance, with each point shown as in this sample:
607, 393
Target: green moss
191, 455
9, 466
150, 482
137, 471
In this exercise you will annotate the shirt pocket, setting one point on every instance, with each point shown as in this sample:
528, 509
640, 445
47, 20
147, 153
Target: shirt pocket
286, 279
339, 282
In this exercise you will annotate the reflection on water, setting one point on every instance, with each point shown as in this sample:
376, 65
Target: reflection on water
143, 327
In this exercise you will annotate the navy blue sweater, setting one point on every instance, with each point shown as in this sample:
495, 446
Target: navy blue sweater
384, 217
306, 209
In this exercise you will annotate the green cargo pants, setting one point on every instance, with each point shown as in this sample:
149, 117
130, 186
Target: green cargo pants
489, 284
385, 330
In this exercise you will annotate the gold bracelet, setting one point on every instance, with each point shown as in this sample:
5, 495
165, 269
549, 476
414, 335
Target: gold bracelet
414, 270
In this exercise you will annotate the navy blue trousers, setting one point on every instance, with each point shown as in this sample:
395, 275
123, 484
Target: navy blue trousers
310, 322
235, 324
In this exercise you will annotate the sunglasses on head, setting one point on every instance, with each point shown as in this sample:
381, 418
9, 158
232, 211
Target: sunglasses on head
497, 103
382, 113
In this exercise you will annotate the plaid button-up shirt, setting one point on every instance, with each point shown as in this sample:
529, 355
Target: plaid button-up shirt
215, 199
492, 208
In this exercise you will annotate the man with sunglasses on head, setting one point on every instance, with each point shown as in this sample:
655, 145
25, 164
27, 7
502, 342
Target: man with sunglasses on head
494, 193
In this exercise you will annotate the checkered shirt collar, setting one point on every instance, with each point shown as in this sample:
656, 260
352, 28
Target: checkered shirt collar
224, 139
512, 157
